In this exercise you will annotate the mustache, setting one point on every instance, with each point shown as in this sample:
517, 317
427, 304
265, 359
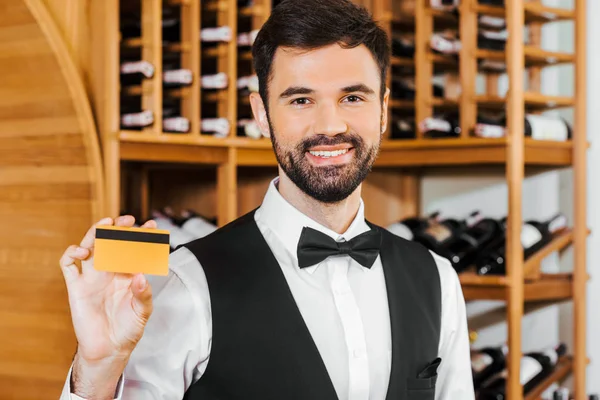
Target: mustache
324, 140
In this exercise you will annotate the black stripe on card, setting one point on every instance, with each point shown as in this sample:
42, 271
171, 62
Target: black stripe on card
132, 236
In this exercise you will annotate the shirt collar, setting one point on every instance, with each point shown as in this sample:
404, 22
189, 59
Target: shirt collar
287, 222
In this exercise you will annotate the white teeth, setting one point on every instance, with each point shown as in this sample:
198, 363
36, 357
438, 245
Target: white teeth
329, 153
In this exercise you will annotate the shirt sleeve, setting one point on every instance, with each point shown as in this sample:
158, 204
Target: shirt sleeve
455, 379
174, 350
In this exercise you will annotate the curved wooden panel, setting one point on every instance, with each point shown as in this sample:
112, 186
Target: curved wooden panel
51, 190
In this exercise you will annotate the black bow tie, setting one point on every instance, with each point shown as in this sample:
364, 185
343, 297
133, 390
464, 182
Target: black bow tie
315, 246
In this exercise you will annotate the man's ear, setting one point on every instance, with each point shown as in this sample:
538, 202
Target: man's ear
384, 114
260, 114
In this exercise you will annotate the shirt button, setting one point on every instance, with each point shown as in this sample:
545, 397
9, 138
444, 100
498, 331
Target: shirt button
358, 353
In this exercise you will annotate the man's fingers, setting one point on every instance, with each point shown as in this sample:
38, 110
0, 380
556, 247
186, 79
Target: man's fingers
67, 261
142, 297
125, 220
88, 239
150, 224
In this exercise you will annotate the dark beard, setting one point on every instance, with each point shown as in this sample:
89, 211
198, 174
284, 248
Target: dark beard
332, 183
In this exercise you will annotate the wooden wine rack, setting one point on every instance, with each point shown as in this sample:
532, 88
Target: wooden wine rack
398, 170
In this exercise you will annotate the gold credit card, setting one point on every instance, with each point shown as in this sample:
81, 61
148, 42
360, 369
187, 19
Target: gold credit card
131, 250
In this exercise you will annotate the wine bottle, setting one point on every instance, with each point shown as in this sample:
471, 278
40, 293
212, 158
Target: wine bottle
408, 227
534, 236
248, 127
403, 128
441, 126
541, 127
444, 4
215, 126
177, 77
535, 366
248, 82
497, 3
491, 40
218, 34
246, 39
467, 246
133, 72
404, 89
491, 22
177, 236
137, 119
440, 232
561, 394
443, 44
194, 224
403, 46
215, 81
487, 362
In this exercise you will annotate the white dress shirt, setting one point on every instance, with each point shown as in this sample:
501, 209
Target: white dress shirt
344, 306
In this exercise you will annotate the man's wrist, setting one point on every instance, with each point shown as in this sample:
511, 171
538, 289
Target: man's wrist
97, 380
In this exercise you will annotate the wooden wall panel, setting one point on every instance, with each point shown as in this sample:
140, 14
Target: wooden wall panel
50, 192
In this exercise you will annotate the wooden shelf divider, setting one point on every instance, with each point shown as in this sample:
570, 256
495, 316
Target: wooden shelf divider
563, 368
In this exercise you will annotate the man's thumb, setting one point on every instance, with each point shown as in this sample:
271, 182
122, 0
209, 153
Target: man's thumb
142, 297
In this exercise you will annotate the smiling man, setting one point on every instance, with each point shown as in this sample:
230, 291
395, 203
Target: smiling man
302, 298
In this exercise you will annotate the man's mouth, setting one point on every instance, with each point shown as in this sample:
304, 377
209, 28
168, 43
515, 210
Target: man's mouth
327, 154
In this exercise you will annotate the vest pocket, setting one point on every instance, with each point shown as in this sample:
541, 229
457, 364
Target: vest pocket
421, 389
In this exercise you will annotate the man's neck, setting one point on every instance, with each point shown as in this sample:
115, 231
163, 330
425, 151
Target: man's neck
338, 216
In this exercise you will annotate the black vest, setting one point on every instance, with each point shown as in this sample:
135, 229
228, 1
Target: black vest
261, 347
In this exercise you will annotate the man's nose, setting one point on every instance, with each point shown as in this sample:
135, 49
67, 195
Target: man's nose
329, 121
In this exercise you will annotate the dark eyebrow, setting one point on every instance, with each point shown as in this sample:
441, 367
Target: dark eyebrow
360, 87
294, 90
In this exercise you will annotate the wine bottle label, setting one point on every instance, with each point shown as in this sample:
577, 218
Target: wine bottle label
247, 38
140, 119
250, 82
493, 35
530, 235
489, 131
492, 22
218, 126
220, 34
547, 128
182, 76
435, 124
400, 229
176, 124
443, 45
481, 361
444, 4
403, 125
218, 81
492, 65
138, 67
439, 232
530, 367
198, 227
558, 223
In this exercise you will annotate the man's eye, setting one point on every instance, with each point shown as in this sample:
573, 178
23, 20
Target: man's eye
353, 99
302, 101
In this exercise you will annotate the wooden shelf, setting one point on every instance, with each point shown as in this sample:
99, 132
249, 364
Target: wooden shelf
563, 368
470, 151
435, 102
533, 102
534, 57
550, 287
534, 12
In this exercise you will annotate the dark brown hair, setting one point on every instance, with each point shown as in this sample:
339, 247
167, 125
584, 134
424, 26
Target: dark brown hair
312, 24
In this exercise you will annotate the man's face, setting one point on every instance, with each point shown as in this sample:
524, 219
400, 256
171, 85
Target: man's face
325, 118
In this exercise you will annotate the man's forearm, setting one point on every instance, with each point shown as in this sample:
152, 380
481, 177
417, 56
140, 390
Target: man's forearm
96, 380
